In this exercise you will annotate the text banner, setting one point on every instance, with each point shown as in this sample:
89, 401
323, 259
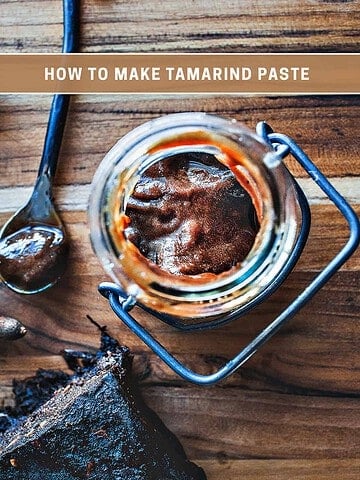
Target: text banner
180, 73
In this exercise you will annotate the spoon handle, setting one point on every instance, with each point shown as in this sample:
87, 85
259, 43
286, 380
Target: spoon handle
71, 37
54, 134
60, 103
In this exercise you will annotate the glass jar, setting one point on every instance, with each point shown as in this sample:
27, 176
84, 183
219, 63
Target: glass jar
257, 167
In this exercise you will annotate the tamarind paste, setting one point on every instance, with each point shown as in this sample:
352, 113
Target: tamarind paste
189, 215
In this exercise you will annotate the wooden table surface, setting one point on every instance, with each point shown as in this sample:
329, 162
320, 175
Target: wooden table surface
293, 410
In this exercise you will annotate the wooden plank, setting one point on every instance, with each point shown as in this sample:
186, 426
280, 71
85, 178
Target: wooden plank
257, 424
282, 469
261, 26
315, 354
323, 126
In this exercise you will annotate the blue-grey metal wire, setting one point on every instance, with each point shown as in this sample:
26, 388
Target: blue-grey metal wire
121, 304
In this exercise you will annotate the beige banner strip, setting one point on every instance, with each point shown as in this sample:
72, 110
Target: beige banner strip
180, 73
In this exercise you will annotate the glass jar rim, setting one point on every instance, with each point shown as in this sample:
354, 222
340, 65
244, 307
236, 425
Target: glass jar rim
131, 153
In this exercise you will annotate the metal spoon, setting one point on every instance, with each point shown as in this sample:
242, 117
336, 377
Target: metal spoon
35, 233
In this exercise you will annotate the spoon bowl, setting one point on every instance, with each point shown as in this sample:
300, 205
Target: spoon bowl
33, 243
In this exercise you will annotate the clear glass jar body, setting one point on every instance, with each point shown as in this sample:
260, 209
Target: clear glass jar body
268, 182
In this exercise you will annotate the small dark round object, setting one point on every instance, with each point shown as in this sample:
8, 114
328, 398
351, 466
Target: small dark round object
11, 329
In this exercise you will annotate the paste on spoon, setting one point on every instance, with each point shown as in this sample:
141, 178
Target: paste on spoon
33, 257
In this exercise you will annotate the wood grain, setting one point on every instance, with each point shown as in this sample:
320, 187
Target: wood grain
323, 126
257, 426
292, 411
314, 358
316, 353
187, 26
282, 469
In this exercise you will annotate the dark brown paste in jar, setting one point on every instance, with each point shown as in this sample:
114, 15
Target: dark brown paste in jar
189, 215
33, 257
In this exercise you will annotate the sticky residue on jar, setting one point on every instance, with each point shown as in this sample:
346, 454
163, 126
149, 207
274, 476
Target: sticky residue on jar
33, 257
189, 215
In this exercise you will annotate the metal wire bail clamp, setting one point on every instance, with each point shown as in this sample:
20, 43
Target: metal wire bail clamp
121, 303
